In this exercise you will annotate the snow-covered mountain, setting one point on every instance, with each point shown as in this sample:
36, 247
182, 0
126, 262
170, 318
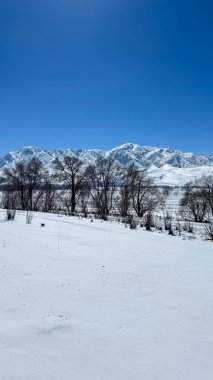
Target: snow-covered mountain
166, 166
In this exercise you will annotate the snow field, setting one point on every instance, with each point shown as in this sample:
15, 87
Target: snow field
82, 300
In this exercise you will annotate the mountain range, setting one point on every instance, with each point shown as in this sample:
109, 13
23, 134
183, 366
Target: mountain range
166, 166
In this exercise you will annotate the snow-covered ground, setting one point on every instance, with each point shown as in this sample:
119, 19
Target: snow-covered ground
168, 175
84, 300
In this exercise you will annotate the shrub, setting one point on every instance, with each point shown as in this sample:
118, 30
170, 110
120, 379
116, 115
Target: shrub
208, 230
10, 214
29, 217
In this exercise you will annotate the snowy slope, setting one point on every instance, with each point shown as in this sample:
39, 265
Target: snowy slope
82, 300
167, 175
167, 166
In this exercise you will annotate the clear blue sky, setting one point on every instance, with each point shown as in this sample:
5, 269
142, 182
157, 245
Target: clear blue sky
99, 73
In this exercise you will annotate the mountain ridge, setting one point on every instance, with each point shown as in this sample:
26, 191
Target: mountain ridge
160, 162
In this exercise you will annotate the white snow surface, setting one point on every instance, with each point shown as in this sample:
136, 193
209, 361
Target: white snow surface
168, 175
82, 300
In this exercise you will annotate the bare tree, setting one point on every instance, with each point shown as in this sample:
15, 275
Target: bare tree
123, 201
25, 178
102, 181
145, 195
206, 183
15, 178
193, 201
69, 171
34, 175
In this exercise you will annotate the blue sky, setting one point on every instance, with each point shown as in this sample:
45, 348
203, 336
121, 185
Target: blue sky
97, 74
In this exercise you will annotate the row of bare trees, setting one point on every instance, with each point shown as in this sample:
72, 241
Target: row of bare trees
102, 187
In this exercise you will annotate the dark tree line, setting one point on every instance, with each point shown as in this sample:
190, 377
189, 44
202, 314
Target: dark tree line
102, 188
